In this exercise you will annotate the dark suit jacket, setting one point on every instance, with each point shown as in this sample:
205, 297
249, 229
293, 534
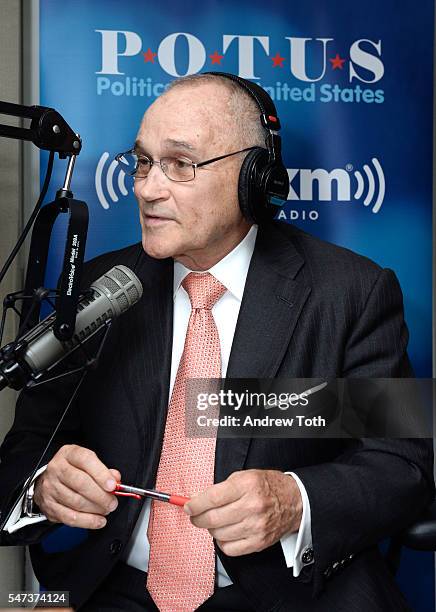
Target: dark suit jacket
310, 309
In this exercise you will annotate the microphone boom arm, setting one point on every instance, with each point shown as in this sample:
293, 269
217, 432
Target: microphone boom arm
48, 129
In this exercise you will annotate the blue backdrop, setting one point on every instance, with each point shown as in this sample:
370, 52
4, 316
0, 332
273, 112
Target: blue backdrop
353, 85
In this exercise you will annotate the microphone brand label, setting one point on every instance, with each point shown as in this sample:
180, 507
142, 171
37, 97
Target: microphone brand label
73, 257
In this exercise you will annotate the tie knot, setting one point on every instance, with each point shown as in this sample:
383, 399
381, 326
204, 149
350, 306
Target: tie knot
204, 290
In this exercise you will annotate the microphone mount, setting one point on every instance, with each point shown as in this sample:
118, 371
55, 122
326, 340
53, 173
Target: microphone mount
49, 131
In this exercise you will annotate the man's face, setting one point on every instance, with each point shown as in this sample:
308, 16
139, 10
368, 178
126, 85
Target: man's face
196, 222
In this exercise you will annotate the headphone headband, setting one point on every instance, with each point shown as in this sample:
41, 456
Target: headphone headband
263, 179
269, 117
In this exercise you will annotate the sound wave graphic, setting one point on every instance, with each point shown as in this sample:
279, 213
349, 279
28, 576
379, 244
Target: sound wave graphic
371, 185
110, 180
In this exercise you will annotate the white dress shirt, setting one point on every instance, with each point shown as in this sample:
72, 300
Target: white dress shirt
231, 271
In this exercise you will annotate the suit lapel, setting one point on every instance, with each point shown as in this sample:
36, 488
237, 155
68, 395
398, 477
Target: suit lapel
272, 303
146, 369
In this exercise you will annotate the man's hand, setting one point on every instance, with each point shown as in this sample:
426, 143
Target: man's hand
74, 489
249, 511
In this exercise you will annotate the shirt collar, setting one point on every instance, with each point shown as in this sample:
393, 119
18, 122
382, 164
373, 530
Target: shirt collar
231, 270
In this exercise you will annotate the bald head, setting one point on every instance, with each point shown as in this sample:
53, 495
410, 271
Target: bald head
239, 120
194, 117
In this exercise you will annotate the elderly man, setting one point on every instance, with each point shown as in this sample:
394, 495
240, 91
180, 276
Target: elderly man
290, 524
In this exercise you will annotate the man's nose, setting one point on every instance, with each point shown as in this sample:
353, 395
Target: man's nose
154, 186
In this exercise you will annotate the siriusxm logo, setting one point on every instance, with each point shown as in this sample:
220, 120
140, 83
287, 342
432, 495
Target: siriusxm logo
313, 185
307, 59
365, 187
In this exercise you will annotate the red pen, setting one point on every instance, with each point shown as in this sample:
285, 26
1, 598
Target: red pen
123, 490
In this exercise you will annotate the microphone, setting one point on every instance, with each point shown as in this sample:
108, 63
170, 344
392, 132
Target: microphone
28, 358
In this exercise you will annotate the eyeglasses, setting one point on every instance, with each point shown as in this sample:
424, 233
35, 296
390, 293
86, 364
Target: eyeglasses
178, 169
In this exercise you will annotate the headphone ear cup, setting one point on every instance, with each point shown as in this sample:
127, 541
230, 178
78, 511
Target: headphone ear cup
251, 196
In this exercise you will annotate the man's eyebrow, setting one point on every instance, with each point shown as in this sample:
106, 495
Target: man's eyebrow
170, 142
179, 144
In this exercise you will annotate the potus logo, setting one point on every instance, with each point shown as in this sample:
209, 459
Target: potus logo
364, 62
304, 66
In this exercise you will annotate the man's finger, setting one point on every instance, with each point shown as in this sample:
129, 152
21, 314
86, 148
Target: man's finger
230, 514
82, 483
116, 474
237, 547
86, 460
73, 518
215, 496
231, 533
65, 496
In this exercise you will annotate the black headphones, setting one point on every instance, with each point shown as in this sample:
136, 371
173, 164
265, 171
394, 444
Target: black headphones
263, 176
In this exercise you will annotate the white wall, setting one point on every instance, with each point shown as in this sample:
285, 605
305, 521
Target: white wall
11, 558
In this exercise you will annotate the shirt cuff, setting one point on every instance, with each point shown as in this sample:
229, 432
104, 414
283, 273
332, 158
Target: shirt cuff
297, 547
18, 519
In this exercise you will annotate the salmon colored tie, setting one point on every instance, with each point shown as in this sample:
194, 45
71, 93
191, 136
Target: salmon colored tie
181, 568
